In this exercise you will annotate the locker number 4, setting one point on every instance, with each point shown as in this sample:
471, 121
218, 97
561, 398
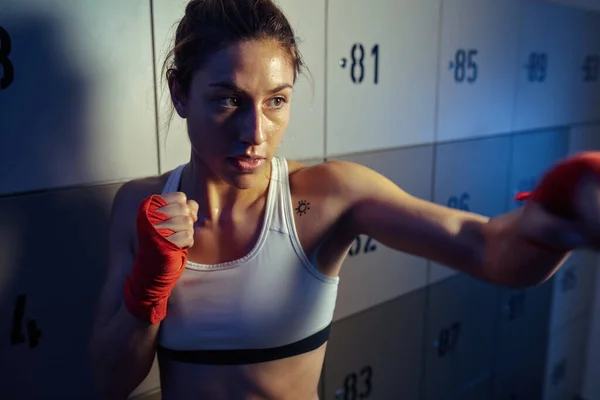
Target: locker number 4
17, 335
7, 76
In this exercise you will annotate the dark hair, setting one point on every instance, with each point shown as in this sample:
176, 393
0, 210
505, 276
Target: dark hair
211, 25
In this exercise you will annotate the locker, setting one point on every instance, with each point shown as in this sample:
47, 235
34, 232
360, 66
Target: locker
573, 288
381, 68
373, 273
565, 361
173, 142
584, 137
471, 175
479, 46
522, 325
459, 336
76, 95
547, 66
590, 387
522, 376
533, 154
50, 282
305, 136
377, 354
587, 82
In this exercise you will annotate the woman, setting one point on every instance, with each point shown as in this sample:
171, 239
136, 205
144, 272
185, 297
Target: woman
244, 248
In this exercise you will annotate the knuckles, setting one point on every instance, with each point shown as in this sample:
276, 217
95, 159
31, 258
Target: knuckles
184, 209
175, 197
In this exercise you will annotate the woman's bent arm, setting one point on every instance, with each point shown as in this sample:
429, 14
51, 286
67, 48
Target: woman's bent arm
122, 347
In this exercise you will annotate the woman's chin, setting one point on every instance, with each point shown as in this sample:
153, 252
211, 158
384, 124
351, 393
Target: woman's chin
243, 181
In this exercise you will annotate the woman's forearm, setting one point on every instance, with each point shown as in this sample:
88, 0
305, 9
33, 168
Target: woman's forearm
122, 353
510, 259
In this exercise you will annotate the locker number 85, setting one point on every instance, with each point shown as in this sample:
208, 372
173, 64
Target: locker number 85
465, 66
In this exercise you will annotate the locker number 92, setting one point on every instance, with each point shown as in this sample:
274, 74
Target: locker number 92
360, 247
7, 76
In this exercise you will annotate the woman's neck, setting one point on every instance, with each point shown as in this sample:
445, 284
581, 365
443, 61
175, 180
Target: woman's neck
217, 199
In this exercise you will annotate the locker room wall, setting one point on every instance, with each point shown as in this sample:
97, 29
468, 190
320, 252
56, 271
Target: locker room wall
462, 102
583, 4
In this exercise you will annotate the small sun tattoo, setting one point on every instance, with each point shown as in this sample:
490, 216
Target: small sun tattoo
303, 207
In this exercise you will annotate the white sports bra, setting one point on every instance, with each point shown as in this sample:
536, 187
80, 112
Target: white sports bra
270, 304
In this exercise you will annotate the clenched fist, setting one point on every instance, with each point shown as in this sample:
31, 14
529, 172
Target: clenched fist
182, 214
165, 229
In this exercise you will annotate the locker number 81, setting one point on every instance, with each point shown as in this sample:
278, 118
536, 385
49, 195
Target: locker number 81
356, 64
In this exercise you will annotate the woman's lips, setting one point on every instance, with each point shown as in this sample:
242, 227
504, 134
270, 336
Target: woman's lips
246, 164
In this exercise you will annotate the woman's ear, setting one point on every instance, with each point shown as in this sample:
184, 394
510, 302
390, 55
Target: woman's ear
177, 95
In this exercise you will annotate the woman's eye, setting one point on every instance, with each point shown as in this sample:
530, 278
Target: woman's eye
277, 102
229, 102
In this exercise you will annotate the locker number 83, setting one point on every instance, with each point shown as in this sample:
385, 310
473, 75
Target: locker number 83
357, 386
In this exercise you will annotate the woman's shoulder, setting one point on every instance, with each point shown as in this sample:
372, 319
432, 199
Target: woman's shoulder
134, 191
332, 183
329, 174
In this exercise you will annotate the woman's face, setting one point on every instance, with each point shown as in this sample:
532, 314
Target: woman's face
237, 109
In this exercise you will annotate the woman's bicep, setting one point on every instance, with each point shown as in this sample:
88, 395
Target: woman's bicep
393, 217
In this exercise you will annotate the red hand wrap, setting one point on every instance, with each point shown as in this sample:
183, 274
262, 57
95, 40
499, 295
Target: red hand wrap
158, 264
557, 189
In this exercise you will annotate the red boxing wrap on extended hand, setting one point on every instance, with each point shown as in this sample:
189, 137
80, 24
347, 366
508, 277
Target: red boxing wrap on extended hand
557, 190
158, 264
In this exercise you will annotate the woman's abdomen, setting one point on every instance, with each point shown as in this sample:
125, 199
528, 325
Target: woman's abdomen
286, 379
